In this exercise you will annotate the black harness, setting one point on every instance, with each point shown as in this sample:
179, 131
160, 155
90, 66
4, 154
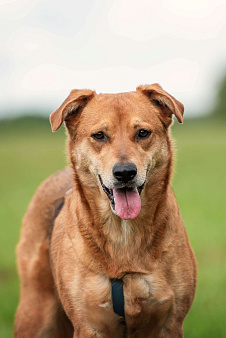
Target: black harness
118, 298
57, 211
116, 284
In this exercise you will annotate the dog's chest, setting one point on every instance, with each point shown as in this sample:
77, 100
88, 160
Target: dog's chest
147, 300
146, 296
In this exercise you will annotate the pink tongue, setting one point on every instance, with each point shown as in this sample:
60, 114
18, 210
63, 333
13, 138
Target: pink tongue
127, 203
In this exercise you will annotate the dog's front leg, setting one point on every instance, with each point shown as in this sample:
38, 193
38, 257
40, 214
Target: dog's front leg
84, 294
37, 311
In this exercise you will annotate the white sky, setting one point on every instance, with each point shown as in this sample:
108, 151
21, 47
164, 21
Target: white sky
48, 47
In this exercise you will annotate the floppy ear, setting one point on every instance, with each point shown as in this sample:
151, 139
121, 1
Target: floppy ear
168, 104
77, 98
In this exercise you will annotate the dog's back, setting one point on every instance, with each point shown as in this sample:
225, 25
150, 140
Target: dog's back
33, 258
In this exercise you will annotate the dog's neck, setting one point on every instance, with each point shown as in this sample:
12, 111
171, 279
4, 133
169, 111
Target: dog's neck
117, 245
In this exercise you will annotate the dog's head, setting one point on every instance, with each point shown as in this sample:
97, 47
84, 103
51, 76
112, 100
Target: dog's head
118, 140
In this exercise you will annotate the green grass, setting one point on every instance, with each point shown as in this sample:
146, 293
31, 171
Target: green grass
200, 187
29, 153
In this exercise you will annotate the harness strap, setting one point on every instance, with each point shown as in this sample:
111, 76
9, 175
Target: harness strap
118, 297
57, 211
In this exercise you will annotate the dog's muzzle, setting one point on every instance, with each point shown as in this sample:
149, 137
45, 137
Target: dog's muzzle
125, 195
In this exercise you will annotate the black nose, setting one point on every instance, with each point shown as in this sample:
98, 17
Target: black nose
124, 172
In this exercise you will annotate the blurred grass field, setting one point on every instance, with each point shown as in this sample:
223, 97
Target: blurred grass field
29, 152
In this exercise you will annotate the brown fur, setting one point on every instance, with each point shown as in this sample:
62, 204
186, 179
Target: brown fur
90, 244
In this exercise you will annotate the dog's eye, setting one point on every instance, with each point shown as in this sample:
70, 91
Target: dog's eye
100, 136
143, 134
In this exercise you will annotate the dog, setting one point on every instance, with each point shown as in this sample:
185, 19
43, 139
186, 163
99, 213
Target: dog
107, 230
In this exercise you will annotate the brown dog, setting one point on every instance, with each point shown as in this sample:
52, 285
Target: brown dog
121, 220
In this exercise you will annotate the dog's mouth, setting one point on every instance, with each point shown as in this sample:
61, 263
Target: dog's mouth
125, 201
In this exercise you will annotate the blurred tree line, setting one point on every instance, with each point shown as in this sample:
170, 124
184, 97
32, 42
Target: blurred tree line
220, 106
